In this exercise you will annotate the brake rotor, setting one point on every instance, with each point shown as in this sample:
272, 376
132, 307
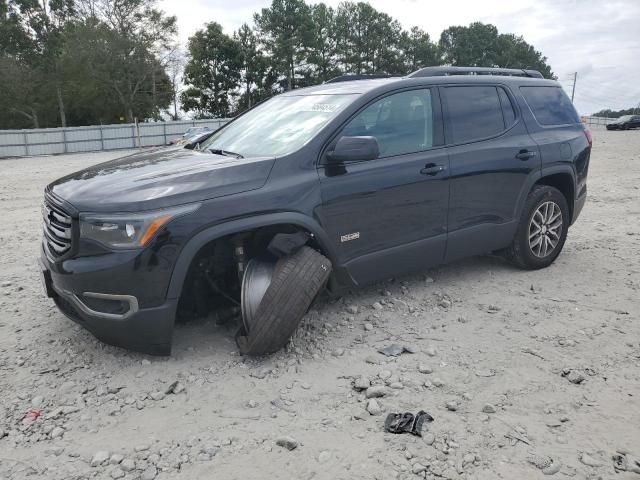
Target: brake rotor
257, 278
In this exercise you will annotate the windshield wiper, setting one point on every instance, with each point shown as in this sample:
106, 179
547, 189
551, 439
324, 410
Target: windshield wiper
226, 153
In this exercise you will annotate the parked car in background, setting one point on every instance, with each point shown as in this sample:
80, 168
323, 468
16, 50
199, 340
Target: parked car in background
625, 122
345, 184
191, 131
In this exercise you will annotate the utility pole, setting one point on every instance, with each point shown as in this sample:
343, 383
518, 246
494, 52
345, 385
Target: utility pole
573, 89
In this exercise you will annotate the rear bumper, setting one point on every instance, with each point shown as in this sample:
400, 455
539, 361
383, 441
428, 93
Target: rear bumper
145, 330
578, 206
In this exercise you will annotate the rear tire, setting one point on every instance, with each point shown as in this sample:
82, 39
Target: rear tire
297, 280
542, 229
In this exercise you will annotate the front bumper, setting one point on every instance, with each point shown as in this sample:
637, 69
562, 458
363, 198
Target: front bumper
146, 330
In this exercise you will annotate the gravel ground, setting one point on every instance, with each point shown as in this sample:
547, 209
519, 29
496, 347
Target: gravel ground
525, 373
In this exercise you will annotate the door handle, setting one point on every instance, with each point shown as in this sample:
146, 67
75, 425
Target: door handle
525, 154
432, 169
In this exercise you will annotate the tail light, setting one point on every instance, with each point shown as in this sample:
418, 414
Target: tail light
587, 133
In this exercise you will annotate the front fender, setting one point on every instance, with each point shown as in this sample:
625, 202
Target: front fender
193, 246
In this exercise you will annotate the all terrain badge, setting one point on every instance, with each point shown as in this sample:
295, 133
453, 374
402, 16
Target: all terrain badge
349, 236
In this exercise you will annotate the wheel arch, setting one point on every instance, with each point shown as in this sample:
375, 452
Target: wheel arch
564, 181
205, 237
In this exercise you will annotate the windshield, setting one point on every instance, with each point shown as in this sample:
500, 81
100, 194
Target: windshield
278, 126
625, 118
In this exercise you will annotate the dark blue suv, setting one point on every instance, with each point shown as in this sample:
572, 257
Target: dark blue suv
342, 184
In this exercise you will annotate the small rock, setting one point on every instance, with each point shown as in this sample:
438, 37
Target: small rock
444, 303
289, 443
394, 350
428, 438
352, 309
175, 388
128, 465
376, 392
575, 377
431, 351
488, 408
324, 456
373, 407
368, 327
116, 459
485, 373
149, 474
590, 461
117, 473
372, 360
99, 458
418, 468
425, 369
338, 352
452, 406
361, 383
437, 382
157, 396
377, 306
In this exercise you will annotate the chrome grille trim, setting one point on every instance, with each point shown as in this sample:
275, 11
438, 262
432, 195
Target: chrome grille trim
57, 228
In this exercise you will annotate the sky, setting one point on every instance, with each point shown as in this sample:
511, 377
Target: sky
598, 39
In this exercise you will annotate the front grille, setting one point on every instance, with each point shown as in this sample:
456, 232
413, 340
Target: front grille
57, 229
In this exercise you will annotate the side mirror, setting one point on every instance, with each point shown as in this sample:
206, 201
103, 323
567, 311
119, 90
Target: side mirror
350, 149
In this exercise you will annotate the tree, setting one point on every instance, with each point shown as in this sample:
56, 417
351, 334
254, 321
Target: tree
141, 41
368, 40
285, 31
212, 72
480, 45
418, 50
25, 100
254, 68
35, 35
322, 44
112, 76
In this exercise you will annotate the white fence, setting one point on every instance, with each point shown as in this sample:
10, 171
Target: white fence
51, 141
597, 121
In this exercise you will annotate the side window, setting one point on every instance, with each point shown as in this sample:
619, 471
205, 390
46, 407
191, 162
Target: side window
550, 105
402, 123
474, 112
507, 108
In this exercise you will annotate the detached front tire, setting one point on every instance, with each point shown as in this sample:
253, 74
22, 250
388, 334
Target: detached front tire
542, 229
296, 281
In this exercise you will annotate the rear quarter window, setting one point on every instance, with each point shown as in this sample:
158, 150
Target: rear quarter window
550, 105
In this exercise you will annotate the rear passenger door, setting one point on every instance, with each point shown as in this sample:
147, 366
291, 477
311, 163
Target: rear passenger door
491, 158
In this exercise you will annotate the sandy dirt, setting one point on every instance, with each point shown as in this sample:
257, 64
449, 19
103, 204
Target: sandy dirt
496, 352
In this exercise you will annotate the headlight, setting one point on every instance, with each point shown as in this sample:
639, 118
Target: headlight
128, 230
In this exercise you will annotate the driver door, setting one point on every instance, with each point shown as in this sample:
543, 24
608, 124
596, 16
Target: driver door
388, 216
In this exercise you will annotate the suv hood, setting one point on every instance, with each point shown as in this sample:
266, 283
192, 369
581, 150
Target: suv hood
161, 178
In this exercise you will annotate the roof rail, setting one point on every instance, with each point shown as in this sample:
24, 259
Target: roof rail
348, 78
445, 71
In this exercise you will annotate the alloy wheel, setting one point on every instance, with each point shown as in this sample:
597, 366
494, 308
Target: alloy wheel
545, 229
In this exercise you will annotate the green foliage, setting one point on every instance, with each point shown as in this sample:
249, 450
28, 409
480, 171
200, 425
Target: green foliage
617, 113
212, 73
480, 45
80, 62
285, 31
